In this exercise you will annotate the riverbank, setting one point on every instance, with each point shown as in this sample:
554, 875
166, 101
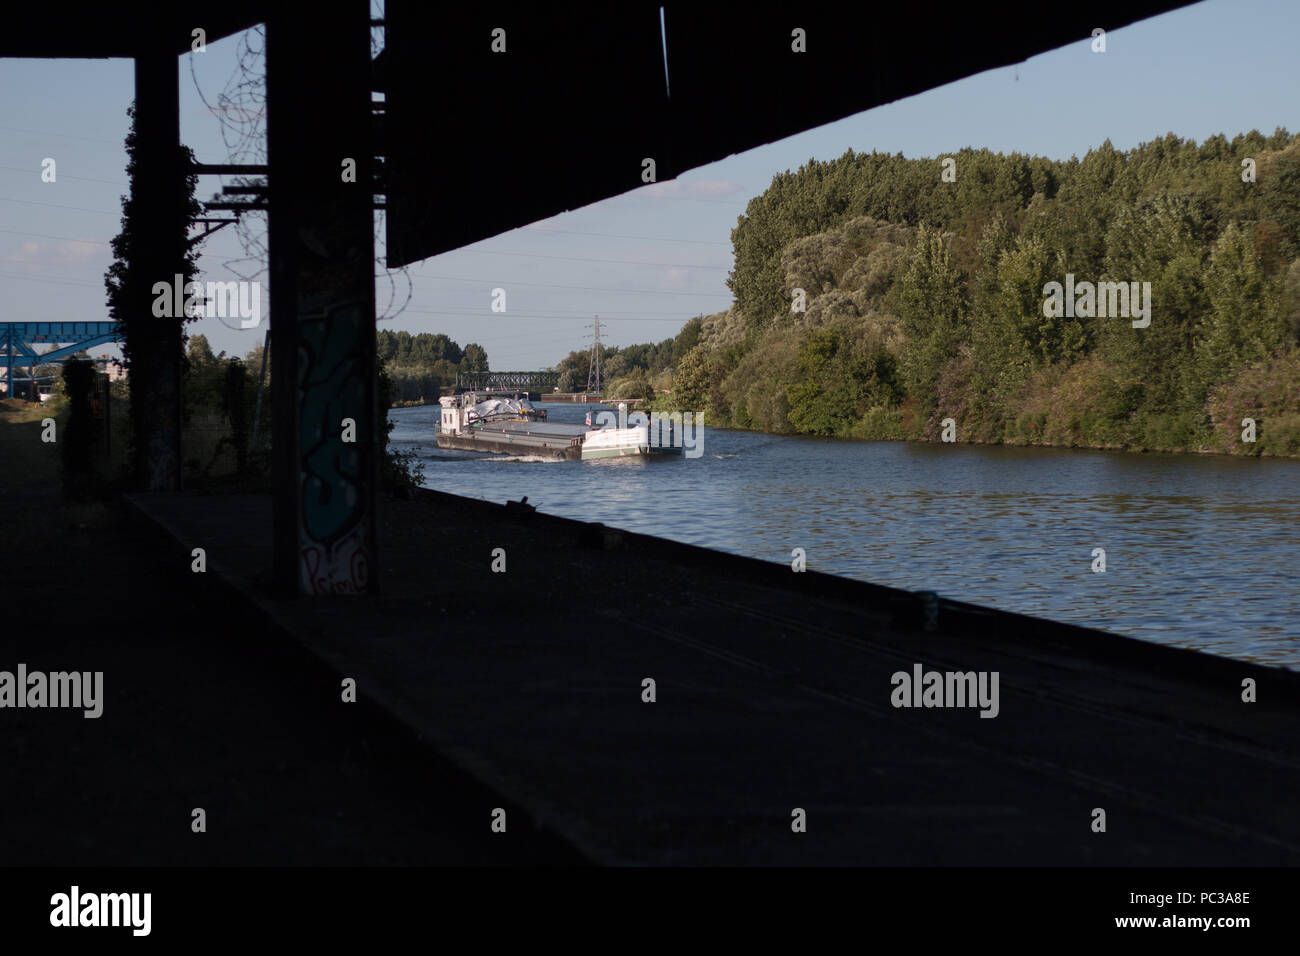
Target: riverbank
651, 702
893, 425
1010, 527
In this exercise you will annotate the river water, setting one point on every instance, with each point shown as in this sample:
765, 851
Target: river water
1200, 551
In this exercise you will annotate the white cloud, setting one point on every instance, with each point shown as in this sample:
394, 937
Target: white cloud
75, 249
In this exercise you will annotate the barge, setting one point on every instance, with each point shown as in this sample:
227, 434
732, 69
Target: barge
515, 427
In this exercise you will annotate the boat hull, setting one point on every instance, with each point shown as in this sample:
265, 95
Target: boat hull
561, 442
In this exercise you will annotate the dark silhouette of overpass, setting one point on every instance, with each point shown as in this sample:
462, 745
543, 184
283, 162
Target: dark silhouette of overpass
587, 102
774, 685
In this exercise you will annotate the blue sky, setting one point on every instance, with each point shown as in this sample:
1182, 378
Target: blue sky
647, 261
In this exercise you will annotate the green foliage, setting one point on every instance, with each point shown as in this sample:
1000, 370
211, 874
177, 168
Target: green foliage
199, 353
693, 381
686, 339
618, 363
420, 366
755, 389
424, 348
1269, 393
475, 358
932, 312
635, 384
842, 371
154, 239
925, 299
568, 381
1244, 324
399, 472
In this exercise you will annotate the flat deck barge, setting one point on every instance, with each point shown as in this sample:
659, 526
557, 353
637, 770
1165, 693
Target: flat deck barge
517, 428
546, 439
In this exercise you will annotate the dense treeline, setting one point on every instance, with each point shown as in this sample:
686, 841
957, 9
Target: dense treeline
632, 371
420, 366
924, 299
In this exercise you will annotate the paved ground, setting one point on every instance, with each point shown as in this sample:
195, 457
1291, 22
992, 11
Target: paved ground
204, 709
773, 693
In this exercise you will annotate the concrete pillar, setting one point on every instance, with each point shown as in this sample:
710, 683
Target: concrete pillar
322, 298
158, 192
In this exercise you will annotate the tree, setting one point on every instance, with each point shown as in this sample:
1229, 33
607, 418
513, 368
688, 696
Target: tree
932, 310
924, 294
614, 366
687, 340
253, 362
1291, 298
200, 353
633, 385
1244, 324
1162, 241
475, 359
151, 347
693, 380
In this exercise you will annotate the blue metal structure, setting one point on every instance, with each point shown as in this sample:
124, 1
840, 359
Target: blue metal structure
17, 339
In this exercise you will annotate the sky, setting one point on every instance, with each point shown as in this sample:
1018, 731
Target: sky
648, 260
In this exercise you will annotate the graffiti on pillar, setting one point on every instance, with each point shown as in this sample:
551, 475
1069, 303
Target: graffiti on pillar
335, 530
164, 468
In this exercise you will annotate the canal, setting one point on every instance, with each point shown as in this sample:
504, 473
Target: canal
1200, 551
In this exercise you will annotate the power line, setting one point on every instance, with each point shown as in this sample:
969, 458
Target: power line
87, 179
34, 202
26, 260
41, 235
79, 283
621, 262
481, 313
586, 288
541, 313
92, 139
612, 235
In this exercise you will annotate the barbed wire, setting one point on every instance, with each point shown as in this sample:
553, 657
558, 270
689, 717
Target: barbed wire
240, 110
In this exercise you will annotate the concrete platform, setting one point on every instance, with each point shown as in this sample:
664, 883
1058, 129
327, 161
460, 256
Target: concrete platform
773, 692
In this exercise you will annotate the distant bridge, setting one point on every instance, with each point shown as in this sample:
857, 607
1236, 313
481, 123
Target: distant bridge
17, 339
506, 380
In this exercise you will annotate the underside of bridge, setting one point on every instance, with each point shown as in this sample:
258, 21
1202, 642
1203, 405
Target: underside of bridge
495, 117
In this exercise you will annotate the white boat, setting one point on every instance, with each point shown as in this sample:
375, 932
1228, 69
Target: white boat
469, 426
612, 442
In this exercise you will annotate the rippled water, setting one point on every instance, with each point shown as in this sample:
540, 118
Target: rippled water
1202, 552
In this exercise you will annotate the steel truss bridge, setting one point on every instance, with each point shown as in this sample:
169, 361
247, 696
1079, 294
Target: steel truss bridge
480, 381
18, 338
